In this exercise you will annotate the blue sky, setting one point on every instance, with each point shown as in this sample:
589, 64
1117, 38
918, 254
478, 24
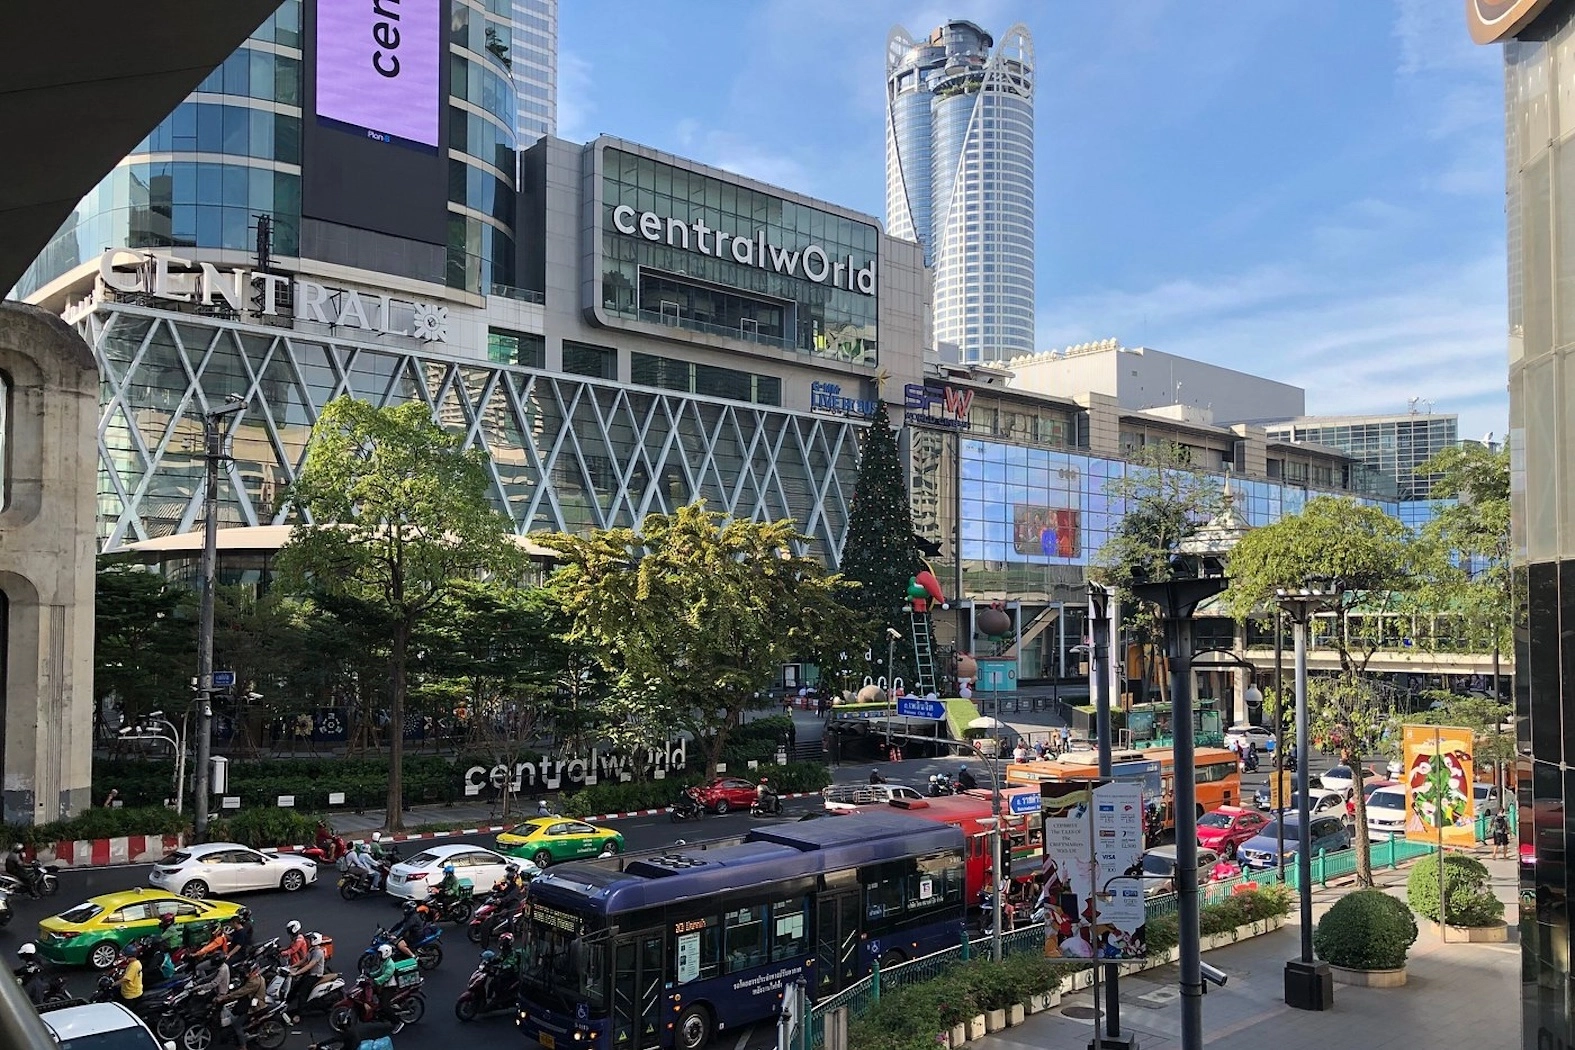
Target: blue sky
1310, 191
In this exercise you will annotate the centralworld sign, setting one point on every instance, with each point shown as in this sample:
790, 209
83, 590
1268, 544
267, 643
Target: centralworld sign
812, 262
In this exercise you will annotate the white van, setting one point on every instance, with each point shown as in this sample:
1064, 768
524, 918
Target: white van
847, 796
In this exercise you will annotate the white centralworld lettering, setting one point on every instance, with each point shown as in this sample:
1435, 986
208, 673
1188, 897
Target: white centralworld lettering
816, 264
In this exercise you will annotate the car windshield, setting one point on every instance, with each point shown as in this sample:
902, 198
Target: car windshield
1153, 864
1214, 820
561, 969
1339, 773
1271, 830
81, 913
1386, 800
423, 859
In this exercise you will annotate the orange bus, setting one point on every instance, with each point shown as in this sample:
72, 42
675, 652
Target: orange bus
1218, 774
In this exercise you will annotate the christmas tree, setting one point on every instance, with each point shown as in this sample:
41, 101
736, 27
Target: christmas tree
880, 552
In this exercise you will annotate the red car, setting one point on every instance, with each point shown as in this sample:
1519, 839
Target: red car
1223, 829
725, 793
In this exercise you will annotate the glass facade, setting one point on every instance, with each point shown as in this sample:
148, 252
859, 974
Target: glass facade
675, 281
534, 59
482, 140
565, 452
1395, 445
960, 180
1539, 88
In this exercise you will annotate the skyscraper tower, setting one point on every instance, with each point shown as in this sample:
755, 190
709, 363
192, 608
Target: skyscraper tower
535, 63
960, 179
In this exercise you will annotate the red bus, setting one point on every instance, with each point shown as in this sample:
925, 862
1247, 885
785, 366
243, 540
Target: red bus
970, 811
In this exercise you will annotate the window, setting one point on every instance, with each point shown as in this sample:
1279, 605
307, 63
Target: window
789, 932
131, 913
884, 891
586, 359
697, 949
516, 348
745, 938
1218, 771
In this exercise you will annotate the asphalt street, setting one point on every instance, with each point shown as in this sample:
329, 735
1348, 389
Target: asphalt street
351, 924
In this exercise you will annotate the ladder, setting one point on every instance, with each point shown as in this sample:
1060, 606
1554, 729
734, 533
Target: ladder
923, 652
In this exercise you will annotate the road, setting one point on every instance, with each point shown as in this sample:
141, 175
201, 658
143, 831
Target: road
351, 924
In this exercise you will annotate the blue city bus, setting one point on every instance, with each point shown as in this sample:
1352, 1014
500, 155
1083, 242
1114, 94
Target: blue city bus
679, 946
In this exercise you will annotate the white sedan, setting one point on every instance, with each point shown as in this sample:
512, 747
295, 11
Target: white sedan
216, 868
414, 878
1243, 734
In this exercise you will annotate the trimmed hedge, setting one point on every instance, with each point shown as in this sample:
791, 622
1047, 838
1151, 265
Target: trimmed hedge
1238, 909
261, 828
1471, 900
1365, 930
102, 824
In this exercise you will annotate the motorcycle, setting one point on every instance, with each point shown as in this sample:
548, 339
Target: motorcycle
329, 989
355, 883
265, 1028
454, 909
767, 805
46, 877
162, 1008
1153, 825
486, 991
941, 784
490, 919
406, 1005
5, 908
685, 807
428, 951
327, 851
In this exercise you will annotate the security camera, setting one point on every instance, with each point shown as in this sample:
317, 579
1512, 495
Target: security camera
893, 634
1214, 975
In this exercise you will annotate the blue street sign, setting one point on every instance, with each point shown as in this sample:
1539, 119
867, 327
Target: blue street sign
224, 679
915, 708
1027, 803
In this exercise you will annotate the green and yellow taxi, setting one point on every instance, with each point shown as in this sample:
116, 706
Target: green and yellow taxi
93, 932
543, 840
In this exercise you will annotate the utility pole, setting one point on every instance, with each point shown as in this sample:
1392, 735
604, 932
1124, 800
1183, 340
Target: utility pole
213, 441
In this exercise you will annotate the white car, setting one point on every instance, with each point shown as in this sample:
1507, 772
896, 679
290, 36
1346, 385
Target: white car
1243, 734
414, 878
99, 1026
1339, 778
216, 868
1321, 801
1486, 799
1386, 811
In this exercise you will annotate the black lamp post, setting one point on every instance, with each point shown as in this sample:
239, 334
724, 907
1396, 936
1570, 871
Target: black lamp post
1192, 580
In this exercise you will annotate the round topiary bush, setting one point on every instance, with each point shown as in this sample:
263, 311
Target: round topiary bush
1365, 930
1470, 901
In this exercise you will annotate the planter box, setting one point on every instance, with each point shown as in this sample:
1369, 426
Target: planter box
958, 1035
994, 1020
976, 1029
1014, 1014
1038, 1004
1495, 934
1368, 978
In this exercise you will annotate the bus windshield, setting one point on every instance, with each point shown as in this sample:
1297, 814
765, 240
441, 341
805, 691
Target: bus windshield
563, 969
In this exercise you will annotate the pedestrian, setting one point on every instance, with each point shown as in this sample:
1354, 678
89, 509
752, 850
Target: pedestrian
109, 800
822, 702
1500, 831
836, 749
1066, 739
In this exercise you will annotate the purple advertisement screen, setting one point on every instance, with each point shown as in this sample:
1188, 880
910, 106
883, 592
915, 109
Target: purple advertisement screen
377, 66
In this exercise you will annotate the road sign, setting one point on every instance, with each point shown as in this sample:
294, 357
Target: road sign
1026, 803
915, 708
224, 679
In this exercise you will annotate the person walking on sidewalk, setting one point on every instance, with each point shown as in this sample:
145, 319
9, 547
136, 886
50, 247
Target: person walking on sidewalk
1498, 829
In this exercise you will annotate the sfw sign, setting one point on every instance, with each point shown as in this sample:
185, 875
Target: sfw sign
553, 773
246, 291
936, 405
813, 261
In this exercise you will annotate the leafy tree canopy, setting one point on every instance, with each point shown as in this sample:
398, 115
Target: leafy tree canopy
145, 641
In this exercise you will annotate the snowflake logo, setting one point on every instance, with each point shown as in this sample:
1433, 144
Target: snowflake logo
430, 324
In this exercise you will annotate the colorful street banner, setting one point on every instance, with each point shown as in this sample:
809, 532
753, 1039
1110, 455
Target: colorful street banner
1093, 892
1438, 771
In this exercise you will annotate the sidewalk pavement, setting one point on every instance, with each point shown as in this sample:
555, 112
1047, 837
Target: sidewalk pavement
1455, 995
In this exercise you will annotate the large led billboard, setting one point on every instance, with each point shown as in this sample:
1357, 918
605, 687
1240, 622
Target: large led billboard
378, 67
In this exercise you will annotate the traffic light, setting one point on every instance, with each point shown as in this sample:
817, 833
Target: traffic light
1006, 860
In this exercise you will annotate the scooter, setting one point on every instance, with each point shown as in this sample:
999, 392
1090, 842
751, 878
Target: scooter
5, 908
355, 883
265, 1028
767, 805
491, 919
941, 784
327, 851
329, 989
46, 877
486, 991
428, 950
685, 807
405, 1006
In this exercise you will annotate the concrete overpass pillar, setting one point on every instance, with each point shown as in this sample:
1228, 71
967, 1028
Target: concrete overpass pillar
49, 394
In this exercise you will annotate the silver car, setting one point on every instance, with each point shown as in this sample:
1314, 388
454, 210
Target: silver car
216, 868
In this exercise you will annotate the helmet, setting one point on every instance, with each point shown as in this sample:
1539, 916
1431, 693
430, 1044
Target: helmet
377, 836
315, 939
512, 869
487, 956
962, 769
448, 869
167, 919
506, 942
360, 847
28, 950
292, 927
423, 911
763, 780
244, 915
410, 907
385, 951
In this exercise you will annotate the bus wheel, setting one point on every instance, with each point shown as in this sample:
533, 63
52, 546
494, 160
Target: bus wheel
694, 1028
891, 957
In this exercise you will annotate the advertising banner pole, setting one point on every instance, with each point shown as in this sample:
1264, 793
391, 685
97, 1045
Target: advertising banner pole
1438, 819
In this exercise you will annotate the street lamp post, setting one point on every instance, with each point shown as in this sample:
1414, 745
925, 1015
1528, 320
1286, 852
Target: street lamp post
1308, 983
156, 727
892, 636
996, 889
213, 442
1191, 581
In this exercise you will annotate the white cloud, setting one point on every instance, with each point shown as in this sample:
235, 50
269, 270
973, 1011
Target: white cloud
576, 94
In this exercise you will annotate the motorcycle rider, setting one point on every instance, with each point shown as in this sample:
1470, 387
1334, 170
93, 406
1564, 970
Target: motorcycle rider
250, 994
130, 980
298, 949
218, 945
19, 869
965, 779
383, 976
217, 984
30, 973
242, 930
170, 935
448, 889
305, 975
412, 929
876, 778
764, 796
361, 860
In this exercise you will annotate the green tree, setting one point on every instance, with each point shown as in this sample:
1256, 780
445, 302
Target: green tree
399, 516
1484, 716
879, 553
691, 615
1472, 587
145, 639
1376, 567
1164, 500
